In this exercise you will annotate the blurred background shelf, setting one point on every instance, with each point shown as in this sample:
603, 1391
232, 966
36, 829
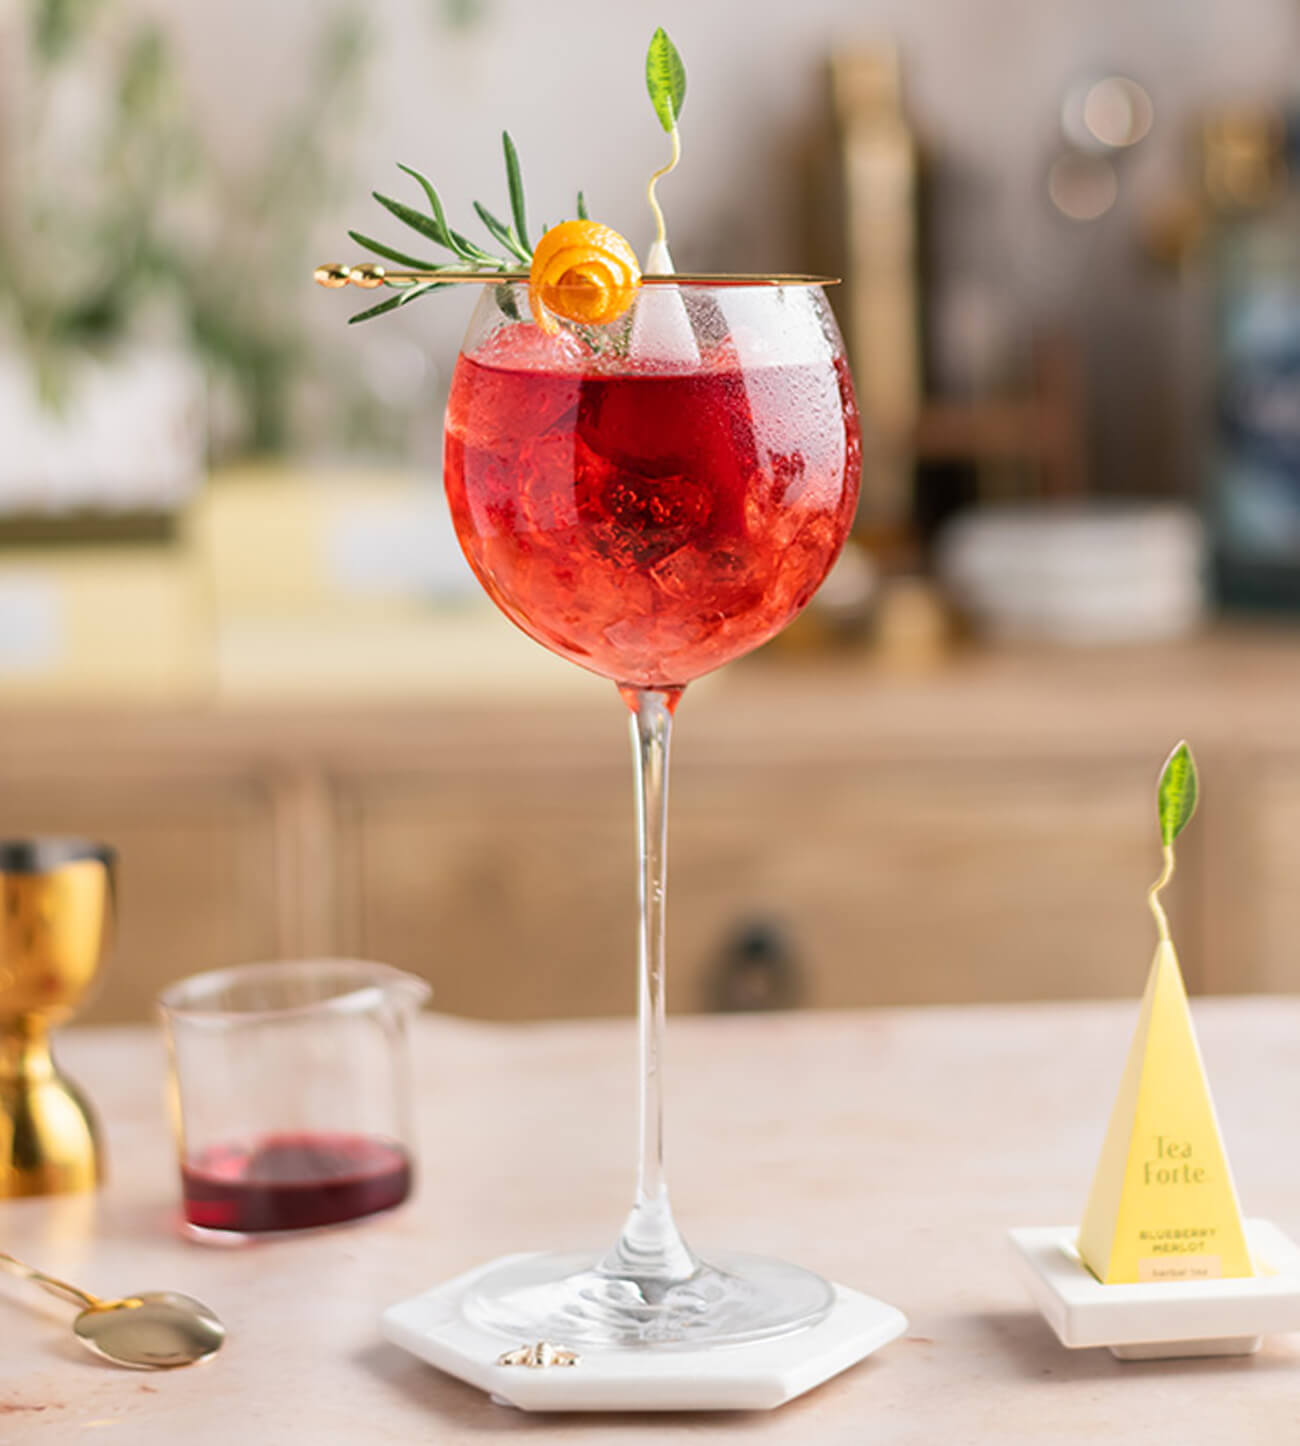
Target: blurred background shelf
237, 638
840, 837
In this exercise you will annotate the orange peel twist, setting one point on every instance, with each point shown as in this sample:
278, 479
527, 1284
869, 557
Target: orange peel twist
582, 271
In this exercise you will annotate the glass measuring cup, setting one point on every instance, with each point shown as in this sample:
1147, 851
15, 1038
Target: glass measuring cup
291, 1093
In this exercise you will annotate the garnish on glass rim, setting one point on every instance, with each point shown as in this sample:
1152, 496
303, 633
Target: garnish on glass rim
580, 270
420, 276
585, 272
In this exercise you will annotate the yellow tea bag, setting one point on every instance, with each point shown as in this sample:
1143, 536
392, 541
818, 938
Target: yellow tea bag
1163, 1206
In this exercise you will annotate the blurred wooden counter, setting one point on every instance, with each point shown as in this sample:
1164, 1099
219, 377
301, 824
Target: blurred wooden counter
980, 833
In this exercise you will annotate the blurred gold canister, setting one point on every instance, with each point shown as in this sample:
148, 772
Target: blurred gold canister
56, 914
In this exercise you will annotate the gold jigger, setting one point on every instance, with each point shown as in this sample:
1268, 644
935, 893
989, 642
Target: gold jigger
56, 909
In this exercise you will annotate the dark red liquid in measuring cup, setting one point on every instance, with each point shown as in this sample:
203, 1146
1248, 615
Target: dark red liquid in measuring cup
294, 1182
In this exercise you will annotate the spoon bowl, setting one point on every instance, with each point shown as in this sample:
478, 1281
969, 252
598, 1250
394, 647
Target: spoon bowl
157, 1330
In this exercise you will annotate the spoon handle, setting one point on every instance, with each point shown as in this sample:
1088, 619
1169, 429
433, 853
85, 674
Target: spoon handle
49, 1283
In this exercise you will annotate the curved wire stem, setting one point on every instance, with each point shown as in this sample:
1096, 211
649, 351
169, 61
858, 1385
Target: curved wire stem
1153, 895
661, 230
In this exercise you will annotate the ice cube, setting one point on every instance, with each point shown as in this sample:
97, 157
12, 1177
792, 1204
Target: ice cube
528, 348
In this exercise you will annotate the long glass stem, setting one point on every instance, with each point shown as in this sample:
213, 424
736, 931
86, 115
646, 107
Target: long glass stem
650, 1249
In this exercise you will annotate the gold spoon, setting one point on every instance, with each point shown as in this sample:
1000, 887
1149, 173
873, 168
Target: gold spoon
156, 1330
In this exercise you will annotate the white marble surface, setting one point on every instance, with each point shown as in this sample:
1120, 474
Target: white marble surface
890, 1150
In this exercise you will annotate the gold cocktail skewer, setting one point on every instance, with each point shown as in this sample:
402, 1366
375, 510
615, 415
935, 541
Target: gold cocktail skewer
369, 275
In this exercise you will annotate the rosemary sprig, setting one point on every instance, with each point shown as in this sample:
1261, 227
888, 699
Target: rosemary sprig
464, 248
501, 233
433, 226
408, 293
390, 253
515, 182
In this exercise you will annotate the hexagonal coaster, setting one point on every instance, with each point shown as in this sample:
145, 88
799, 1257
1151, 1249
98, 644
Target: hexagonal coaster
1166, 1318
754, 1377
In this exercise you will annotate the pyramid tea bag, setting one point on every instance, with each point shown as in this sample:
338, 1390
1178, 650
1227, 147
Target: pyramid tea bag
1163, 1206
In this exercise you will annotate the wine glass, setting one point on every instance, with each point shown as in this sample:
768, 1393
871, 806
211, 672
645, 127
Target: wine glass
651, 498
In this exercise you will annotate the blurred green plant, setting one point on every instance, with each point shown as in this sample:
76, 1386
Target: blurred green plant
236, 285
78, 262
58, 24
459, 14
150, 225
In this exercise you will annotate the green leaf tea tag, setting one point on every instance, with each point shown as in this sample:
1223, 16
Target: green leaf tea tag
1176, 793
665, 79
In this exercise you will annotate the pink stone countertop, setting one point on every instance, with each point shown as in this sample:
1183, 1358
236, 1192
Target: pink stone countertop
889, 1150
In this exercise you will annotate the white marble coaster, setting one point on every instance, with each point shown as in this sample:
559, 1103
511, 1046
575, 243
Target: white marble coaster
752, 1377
1171, 1318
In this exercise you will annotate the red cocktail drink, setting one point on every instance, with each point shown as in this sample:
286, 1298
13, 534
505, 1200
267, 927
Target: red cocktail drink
651, 497
653, 521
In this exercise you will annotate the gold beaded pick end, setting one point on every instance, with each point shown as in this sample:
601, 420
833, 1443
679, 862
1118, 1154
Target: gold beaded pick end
336, 273
538, 1357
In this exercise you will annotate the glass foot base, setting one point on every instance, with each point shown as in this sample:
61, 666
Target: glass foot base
570, 1300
